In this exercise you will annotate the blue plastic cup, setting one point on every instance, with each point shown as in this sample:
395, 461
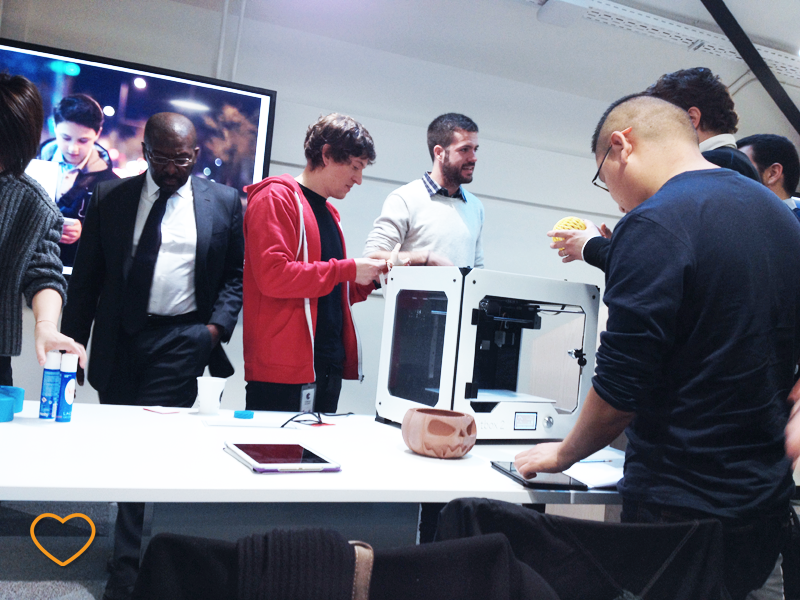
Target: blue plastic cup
17, 394
6, 409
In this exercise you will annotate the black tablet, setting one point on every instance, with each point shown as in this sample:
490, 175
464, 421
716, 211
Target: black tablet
542, 481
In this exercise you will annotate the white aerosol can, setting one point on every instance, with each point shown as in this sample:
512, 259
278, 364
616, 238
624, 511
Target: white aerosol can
66, 396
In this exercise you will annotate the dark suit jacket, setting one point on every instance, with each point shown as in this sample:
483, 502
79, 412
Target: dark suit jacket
98, 280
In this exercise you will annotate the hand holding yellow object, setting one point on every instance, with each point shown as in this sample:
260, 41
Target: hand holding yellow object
568, 223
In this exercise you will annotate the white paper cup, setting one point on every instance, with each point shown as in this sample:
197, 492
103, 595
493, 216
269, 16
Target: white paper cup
209, 392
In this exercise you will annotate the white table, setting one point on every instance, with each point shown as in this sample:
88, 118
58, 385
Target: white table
124, 453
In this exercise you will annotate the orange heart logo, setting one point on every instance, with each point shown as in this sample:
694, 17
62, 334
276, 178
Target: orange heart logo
62, 521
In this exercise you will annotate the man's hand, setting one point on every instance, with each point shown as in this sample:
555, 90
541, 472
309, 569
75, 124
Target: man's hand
47, 338
570, 246
370, 269
793, 427
598, 424
216, 334
413, 258
394, 258
542, 458
71, 232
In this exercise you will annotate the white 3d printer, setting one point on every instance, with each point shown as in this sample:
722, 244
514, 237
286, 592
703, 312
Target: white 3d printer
515, 351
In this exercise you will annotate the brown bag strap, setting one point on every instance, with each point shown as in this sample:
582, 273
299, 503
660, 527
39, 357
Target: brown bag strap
363, 571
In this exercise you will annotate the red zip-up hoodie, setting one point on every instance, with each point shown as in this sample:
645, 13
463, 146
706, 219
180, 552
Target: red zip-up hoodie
283, 277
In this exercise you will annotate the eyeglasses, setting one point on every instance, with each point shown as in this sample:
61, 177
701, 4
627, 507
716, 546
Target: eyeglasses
181, 161
601, 185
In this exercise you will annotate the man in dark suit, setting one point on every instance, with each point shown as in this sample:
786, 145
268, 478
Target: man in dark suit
159, 273
150, 354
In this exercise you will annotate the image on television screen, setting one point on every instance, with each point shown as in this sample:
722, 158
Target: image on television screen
234, 122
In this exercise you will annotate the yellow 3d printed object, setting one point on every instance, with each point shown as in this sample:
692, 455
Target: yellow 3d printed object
568, 223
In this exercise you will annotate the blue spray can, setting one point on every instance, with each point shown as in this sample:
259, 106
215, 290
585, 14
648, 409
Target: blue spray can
66, 396
51, 385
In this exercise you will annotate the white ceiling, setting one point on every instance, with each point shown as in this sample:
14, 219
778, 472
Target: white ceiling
504, 39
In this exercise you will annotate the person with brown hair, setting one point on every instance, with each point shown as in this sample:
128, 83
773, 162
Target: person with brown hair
30, 227
436, 221
83, 163
711, 109
298, 282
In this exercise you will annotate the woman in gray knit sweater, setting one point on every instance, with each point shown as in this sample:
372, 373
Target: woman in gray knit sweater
30, 227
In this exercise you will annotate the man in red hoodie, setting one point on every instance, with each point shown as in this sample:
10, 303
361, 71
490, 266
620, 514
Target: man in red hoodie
299, 336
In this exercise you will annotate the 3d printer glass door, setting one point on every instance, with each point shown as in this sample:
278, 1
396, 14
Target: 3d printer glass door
417, 346
526, 351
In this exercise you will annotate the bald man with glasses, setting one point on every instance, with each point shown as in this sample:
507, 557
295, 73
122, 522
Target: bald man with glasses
713, 116
159, 275
703, 335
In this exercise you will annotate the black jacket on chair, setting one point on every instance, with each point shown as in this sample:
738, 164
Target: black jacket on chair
592, 560
318, 565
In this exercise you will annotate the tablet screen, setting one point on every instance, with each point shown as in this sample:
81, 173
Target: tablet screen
274, 454
542, 481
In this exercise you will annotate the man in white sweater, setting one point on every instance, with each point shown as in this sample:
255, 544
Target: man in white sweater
434, 219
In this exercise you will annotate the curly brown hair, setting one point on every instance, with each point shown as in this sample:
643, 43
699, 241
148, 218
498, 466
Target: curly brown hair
346, 139
700, 88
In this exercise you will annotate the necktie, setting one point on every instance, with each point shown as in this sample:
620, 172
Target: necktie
796, 212
140, 276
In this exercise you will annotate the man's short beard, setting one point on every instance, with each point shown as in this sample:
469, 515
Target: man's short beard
453, 175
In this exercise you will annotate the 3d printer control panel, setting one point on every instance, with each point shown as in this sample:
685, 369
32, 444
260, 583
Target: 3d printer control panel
525, 420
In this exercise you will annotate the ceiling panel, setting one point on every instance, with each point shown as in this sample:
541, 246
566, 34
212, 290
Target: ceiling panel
504, 39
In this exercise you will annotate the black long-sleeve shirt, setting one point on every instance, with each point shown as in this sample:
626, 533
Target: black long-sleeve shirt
703, 335
595, 250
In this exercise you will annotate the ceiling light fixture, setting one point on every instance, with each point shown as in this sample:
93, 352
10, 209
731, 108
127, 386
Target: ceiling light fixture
693, 39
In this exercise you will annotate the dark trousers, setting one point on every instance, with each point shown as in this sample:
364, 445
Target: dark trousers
5, 371
750, 546
127, 549
157, 366
791, 563
263, 395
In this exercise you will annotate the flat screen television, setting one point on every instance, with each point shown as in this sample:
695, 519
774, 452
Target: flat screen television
234, 122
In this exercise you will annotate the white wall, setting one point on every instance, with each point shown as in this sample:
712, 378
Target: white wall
525, 186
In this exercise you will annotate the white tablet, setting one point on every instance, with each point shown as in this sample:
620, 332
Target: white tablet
280, 458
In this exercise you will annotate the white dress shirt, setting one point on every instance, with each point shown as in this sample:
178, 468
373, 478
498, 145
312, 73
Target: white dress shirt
69, 172
172, 292
718, 141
